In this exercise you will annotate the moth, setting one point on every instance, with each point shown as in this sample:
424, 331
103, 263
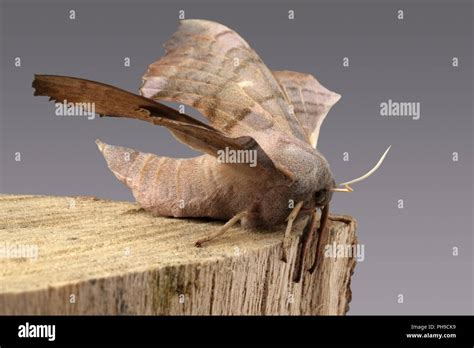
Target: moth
275, 116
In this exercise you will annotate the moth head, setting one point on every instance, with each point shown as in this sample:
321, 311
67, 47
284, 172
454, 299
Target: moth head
345, 186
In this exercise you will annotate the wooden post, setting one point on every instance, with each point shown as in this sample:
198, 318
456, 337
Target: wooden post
82, 255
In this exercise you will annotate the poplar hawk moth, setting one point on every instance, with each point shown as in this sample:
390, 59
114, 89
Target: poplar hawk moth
277, 115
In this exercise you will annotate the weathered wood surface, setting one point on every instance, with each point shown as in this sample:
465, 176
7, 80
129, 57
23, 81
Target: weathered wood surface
105, 257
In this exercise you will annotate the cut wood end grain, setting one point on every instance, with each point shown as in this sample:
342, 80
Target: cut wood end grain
106, 257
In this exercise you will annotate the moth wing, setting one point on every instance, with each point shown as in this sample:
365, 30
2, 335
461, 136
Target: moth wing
211, 68
112, 101
310, 100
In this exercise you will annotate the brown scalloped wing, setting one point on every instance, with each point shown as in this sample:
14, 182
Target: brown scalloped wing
311, 101
211, 68
112, 101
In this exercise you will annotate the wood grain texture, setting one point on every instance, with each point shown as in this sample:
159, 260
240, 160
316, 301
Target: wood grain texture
117, 259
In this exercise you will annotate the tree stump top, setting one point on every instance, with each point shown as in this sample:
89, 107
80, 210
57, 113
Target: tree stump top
83, 255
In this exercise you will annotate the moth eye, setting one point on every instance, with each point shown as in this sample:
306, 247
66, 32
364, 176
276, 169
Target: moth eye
319, 196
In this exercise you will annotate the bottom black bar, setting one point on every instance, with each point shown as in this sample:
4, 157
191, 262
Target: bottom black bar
136, 330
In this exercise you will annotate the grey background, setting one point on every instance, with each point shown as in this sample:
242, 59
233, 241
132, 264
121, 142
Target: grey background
407, 251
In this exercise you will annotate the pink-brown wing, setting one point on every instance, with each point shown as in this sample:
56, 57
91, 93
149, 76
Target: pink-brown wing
211, 68
112, 101
310, 101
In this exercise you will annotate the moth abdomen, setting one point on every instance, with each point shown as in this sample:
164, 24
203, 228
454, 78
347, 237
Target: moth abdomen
193, 187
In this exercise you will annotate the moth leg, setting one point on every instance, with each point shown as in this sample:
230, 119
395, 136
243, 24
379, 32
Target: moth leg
286, 238
222, 230
306, 239
321, 234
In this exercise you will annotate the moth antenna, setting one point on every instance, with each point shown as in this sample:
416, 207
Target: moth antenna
347, 188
